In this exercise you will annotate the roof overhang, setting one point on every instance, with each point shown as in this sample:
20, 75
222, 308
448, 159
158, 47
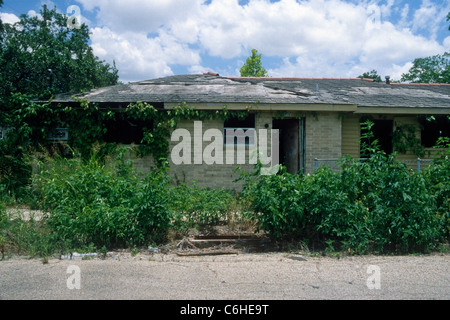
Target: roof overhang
269, 106
402, 110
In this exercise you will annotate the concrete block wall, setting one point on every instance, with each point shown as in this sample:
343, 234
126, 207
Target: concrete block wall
323, 138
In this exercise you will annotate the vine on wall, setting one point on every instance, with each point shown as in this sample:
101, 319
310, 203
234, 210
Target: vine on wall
405, 139
32, 122
156, 139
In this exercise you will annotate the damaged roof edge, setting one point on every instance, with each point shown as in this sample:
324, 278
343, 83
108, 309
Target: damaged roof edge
269, 106
212, 91
402, 110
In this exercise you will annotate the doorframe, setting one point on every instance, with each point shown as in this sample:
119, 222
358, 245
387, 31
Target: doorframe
301, 141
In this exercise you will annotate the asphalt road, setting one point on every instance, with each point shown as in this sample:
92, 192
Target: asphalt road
260, 276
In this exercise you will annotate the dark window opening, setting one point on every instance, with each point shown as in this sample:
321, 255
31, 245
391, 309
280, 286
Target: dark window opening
125, 131
433, 129
240, 131
234, 122
383, 132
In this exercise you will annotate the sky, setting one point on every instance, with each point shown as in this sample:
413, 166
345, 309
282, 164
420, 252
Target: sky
149, 39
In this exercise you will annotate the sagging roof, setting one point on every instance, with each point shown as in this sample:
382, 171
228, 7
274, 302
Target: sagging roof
212, 88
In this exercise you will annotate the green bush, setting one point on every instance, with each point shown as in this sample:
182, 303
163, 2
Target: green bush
196, 207
400, 209
376, 205
3, 216
103, 205
437, 177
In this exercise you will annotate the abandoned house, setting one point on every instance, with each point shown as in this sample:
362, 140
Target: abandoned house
317, 118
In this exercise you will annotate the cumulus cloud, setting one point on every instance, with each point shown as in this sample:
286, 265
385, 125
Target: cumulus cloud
140, 57
309, 38
8, 18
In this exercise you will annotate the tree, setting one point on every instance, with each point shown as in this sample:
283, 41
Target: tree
435, 69
253, 66
42, 56
371, 75
448, 19
1, 23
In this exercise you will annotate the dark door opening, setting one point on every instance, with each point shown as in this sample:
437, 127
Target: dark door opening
291, 143
383, 132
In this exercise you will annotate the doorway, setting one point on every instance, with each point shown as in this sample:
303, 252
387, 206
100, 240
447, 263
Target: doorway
291, 144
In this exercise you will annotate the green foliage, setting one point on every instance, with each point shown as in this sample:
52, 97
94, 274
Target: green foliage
373, 74
32, 123
1, 23
405, 139
448, 19
369, 145
41, 56
29, 236
156, 139
434, 69
253, 66
29, 124
437, 177
3, 218
104, 205
86, 125
196, 207
400, 208
372, 205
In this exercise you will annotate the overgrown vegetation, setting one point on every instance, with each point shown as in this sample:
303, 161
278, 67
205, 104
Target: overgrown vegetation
104, 203
200, 208
377, 205
41, 56
91, 198
373, 206
91, 202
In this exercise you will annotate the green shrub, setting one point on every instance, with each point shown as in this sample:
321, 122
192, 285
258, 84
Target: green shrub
376, 205
15, 171
196, 207
401, 212
104, 205
3, 216
437, 177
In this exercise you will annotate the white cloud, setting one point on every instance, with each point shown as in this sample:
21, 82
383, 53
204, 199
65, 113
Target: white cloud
396, 71
140, 57
426, 18
311, 38
446, 43
140, 15
8, 18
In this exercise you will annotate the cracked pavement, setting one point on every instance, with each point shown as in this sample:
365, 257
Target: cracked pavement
256, 276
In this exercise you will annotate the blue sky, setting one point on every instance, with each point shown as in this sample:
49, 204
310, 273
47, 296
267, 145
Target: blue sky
310, 38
